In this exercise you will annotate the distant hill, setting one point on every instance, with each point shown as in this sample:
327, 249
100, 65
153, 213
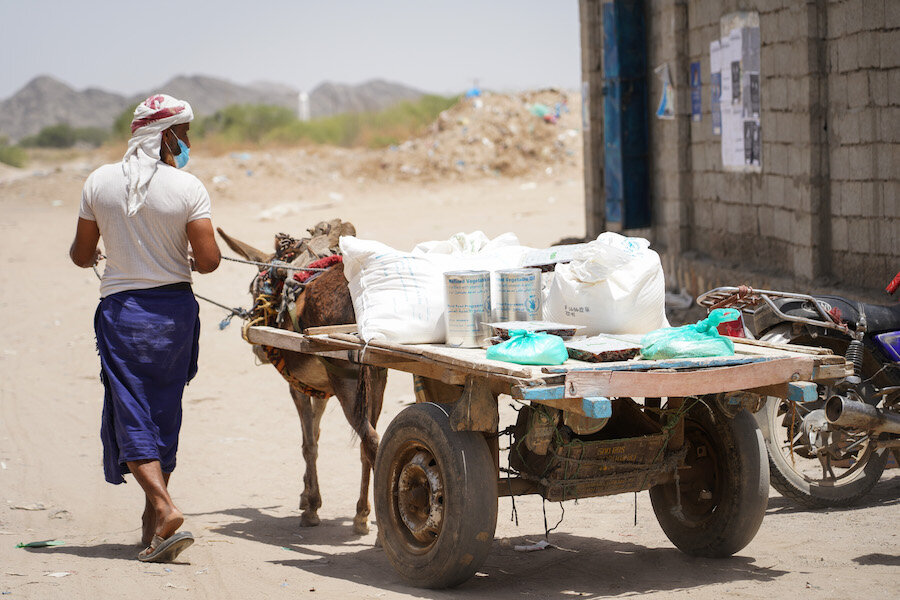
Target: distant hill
46, 101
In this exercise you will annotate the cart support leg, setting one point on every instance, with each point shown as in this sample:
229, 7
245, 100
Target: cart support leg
676, 440
476, 409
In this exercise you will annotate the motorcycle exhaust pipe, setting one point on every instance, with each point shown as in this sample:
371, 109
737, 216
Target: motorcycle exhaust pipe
842, 411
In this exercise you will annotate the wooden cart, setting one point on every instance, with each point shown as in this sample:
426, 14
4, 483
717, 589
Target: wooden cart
681, 429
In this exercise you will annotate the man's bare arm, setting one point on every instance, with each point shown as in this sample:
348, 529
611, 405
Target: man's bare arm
84, 251
203, 242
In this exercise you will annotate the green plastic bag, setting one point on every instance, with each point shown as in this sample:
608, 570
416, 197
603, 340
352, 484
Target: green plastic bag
527, 348
691, 341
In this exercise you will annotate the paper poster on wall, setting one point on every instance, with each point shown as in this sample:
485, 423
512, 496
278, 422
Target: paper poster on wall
738, 62
715, 86
665, 109
696, 93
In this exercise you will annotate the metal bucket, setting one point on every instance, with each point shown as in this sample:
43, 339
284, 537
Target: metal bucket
520, 295
468, 307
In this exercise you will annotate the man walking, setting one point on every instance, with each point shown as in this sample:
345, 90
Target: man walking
148, 212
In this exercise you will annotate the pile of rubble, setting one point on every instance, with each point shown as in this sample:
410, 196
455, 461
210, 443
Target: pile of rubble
487, 134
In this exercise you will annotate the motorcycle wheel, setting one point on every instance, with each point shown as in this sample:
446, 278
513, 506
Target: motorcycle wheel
839, 479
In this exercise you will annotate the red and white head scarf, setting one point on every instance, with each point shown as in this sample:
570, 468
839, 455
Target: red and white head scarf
151, 117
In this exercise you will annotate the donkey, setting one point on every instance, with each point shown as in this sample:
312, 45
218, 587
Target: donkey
325, 300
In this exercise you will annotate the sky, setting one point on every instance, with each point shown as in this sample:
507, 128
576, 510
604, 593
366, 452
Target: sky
439, 46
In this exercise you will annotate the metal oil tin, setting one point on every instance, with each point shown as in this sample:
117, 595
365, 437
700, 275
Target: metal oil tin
520, 295
468, 307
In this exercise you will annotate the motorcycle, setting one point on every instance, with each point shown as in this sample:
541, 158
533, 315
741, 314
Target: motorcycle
830, 449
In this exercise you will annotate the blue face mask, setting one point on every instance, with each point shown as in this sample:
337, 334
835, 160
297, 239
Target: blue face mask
182, 157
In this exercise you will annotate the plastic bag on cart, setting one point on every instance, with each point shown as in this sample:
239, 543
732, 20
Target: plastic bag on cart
691, 341
527, 348
615, 284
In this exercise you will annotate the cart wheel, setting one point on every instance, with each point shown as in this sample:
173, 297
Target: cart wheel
435, 498
718, 503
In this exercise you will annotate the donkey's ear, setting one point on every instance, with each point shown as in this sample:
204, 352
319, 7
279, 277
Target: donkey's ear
245, 250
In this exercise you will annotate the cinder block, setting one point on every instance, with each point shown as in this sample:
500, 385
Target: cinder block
774, 94
850, 205
867, 201
846, 127
847, 54
839, 234
873, 13
852, 13
782, 225
800, 161
869, 51
774, 158
791, 26
802, 259
867, 132
774, 192
839, 163
837, 91
893, 86
890, 48
891, 14
802, 228
857, 89
862, 164
799, 193
890, 128
798, 94
878, 87
890, 195
860, 236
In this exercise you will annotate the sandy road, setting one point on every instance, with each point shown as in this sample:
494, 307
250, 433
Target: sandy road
238, 479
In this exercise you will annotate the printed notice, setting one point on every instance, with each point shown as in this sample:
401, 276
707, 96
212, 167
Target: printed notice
715, 84
696, 93
736, 56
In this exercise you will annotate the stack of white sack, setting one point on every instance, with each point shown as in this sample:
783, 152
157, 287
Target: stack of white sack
399, 296
614, 285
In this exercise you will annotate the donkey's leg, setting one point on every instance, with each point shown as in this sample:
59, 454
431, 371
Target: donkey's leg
375, 382
358, 395
310, 411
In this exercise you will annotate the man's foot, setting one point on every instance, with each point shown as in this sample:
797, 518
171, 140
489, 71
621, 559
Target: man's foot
167, 524
148, 526
166, 550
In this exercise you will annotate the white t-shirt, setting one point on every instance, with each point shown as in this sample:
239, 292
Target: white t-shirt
149, 249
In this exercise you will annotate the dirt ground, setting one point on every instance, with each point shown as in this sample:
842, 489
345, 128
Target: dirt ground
239, 474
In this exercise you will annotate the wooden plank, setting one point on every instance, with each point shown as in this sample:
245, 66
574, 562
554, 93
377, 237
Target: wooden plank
351, 328
581, 384
786, 347
470, 359
649, 365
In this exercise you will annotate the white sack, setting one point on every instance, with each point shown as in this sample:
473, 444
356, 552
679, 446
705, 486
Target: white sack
614, 285
399, 296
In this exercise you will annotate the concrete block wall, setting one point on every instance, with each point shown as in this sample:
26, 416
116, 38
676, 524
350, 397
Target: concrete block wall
863, 137
826, 205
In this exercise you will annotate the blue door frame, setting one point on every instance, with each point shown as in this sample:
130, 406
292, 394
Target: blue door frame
625, 157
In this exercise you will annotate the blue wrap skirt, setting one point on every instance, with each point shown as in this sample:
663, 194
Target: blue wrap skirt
148, 342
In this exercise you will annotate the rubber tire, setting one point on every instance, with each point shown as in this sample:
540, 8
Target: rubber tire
791, 485
469, 506
741, 479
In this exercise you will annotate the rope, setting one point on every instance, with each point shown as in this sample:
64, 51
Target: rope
284, 266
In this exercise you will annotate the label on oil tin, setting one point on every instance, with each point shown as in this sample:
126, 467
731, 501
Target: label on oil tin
520, 295
468, 307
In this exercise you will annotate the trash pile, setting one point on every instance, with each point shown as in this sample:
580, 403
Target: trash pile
488, 134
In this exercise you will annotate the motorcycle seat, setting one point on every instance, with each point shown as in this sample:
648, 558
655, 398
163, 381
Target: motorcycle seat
879, 318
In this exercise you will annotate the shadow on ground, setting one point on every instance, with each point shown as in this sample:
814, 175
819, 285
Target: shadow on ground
587, 566
885, 493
